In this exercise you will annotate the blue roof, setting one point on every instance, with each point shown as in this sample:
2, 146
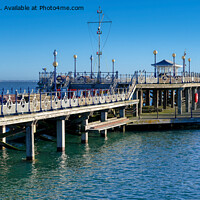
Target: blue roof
163, 63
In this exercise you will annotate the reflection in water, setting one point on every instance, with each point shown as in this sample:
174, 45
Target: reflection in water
148, 165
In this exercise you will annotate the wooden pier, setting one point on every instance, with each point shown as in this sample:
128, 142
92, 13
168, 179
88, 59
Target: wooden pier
136, 91
60, 107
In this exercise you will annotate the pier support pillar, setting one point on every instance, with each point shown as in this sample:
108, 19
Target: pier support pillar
104, 115
172, 98
160, 98
135, 106
194, 105
147, 98
84, 137
60, 135
155, 98
198, 90
165, 99
123, 128
103, 133
84, 133
187, 100
30, 130
122, 112
168, 102
141, 101
2, 131
180, 101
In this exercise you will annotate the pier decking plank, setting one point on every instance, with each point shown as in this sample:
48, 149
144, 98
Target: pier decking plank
112, 123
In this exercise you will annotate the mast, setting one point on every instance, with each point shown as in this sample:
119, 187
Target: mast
99, 32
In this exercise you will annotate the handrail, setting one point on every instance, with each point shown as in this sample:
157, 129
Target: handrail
21, 103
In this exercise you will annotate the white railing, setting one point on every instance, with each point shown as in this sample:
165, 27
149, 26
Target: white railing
21, 103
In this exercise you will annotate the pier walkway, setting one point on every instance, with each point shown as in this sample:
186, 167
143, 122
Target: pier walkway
29, 108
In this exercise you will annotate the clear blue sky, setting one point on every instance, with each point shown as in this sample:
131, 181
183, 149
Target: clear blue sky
28, 38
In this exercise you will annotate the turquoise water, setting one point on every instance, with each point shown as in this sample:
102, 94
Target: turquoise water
133, 165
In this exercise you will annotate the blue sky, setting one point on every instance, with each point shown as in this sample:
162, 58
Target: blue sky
28, 38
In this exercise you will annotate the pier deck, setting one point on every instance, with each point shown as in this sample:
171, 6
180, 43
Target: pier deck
23, 118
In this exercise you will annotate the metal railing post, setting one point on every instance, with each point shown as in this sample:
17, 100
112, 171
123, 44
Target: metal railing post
16, 101
61, 100
170, 77
40, 100
29, 106
51, 102
158, 79
2, 104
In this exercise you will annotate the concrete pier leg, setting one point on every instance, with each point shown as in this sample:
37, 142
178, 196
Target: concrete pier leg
172, 98
198, 90
180, 101
84, 135
194, 105
165, 99
104, 116
155, 98
2, 131
30, 151
187, 100
123, 128
122, 112
141, 101
135, 107
160, 98
60, 135
147, 98
103, 133
84, 138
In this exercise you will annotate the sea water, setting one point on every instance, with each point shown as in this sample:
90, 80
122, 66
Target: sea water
20, 86
133, 165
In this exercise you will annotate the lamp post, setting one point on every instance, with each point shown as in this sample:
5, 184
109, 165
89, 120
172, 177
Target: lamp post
91, 58
45, 76
55, 64
183, 57
155, 53
189, 60
113, 68
75, 57
174, 69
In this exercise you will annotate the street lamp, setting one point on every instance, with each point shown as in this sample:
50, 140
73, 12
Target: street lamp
174, 69
55, 64
183, 57
189, 60
113, 67
75, 57
155, 53
91, 58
